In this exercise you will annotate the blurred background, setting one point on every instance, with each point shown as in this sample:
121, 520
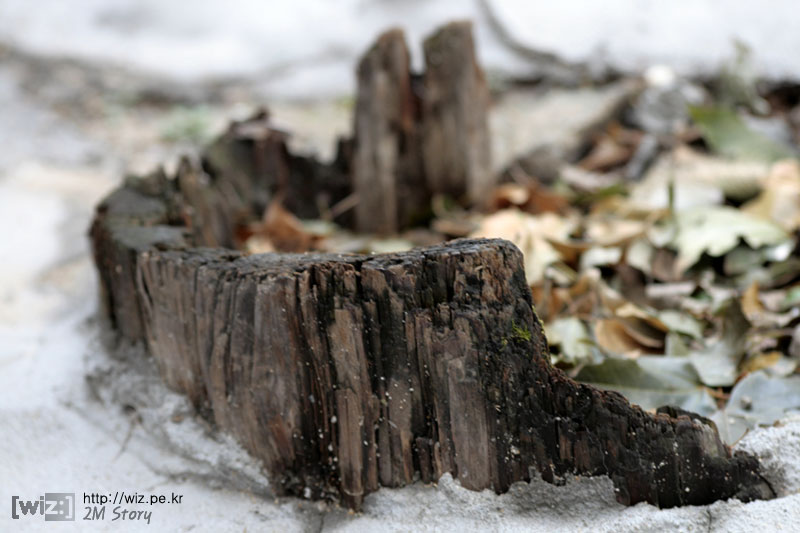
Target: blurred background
307, 48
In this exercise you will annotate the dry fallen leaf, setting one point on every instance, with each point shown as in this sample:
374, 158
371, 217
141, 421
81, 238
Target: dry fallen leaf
779, 200
258, 244
698, 179
281, 231
572, 335
607, 153
530, 233
726, 132
570, 250
682, 322
758, 399
630, 310
768, 361
628, 337
670, 294
600, 256
650, 338
548, 300
612, 338
717, 363
532, 198
652, 381
613, 231
717, 230
751, 305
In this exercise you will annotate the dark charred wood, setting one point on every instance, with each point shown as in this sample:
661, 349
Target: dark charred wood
250, 166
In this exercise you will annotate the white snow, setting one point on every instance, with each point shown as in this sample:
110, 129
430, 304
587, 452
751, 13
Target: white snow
64, 434
308, 47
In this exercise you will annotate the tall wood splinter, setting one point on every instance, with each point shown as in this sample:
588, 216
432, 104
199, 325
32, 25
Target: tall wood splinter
415, 138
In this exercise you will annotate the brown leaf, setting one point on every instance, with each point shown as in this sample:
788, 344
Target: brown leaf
570, 250
649, 337
605, 155
283, 230
612, 336
531, 197
761, 362
548, 300
529, 233
751, 304
753, 308
632, 311
663, 265
779, 200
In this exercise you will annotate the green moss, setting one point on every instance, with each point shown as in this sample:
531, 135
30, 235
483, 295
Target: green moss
520, 333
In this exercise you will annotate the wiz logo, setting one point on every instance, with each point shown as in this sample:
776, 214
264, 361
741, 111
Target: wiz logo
54, 506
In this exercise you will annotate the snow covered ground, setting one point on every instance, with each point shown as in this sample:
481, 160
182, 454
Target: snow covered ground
73, 416
308, 47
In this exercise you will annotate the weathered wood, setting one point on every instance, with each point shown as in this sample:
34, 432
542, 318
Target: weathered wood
387, 167
455, 131
412, 139
416, 139
127, 222
250, 166
346, 373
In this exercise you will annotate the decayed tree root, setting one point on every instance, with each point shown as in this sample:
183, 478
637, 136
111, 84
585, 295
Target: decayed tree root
346, 373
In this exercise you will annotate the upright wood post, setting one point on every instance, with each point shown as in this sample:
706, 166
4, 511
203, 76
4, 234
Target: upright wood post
455, 129
416, 140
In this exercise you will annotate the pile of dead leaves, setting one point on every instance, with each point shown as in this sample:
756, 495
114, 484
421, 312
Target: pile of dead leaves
679, 287
672, 305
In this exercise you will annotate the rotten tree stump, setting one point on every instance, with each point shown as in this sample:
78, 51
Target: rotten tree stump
344, 373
